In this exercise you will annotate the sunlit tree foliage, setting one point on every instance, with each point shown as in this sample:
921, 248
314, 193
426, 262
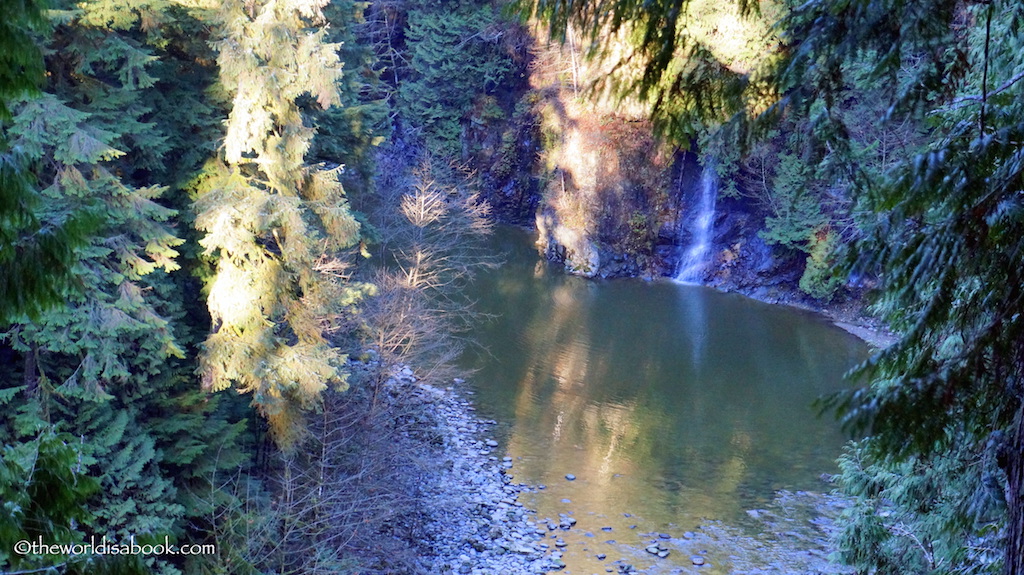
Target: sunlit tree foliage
273, 223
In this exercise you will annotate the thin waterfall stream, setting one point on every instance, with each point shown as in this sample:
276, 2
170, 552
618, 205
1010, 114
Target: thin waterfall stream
694, 258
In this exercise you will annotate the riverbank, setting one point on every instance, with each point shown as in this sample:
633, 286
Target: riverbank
848, 315
475, 523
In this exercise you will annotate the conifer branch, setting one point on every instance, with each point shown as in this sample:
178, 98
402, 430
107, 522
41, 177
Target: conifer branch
980, 98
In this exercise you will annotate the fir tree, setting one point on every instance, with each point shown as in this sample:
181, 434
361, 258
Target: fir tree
41, 486
86, 359
351, 131
36, 251
455, 55
272, 222
105, 365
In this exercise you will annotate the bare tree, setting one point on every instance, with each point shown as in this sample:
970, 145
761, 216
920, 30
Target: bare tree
432, 226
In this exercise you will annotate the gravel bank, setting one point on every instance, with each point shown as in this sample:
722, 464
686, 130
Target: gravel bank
475, 524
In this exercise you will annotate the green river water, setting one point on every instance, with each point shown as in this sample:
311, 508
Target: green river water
678, 409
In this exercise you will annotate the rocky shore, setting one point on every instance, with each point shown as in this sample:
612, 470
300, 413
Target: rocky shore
475, 524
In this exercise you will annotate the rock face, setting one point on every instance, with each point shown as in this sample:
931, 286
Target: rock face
565, 245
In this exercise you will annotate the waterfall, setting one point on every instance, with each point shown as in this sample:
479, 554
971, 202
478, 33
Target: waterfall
694, 257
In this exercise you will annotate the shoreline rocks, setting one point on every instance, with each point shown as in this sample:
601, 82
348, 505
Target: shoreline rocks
475, 524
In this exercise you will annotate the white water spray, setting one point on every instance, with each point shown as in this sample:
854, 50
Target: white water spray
694, 258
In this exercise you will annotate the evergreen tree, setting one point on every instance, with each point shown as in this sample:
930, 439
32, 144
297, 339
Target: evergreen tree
41, 486
86, 359
455, 55
36, 251
949, 246
103, 366
271, 221
352, 130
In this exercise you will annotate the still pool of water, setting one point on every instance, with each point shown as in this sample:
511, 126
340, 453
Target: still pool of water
672, 405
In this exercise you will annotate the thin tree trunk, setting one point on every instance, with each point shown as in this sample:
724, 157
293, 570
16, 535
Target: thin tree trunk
1014, 467
31, 376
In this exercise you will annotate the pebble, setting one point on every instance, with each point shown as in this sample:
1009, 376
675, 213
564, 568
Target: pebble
471, 496
697, 560
476, 525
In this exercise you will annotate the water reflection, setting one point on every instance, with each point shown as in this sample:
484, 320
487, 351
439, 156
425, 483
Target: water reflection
670, 403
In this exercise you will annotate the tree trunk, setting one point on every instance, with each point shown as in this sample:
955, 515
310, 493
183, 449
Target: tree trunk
1014, 467
31, 376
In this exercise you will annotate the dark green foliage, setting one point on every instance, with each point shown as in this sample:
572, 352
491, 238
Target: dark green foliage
455, 54
42, 493
36, 250
936, 514
102, 366
949, 246
111, 314
794, 213
349, 133
21, 62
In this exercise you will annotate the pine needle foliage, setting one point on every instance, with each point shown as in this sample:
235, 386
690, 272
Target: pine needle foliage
271, 222
104, 369
455, 54
112, 314
351, 132
21, 62
36, 251
42, 490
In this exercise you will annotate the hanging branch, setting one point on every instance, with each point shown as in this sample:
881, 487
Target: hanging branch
965, 100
